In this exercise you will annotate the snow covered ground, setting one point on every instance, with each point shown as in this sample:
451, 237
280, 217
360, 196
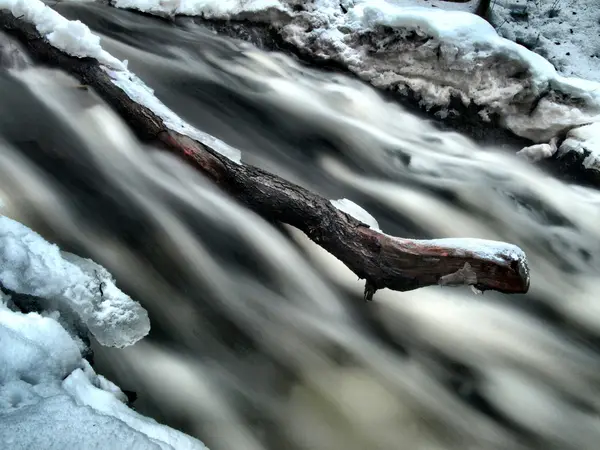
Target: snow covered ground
252, 9
466, 6
566, 32
50, 397
29, 265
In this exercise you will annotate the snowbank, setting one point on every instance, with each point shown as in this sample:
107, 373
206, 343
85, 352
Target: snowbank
584, 141
566, 33
208, 8
30, 265
444, 54
76, 39
51, 398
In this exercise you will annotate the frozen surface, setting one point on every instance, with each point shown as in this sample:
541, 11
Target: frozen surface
351, 208
209, 8
448, 54
585, 141
537, 152
34, 349
78, 385
30, 265
76, 39
566, 32
56, 422
501, 252
85, 411
50, 397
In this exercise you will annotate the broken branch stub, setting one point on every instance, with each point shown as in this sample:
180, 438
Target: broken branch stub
382, 261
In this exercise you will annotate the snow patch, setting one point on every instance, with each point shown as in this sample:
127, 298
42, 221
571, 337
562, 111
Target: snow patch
563, 31
360, 214
52, 421
50, 397
30, 265
497, 251
537, 152
84, 393
70, 36
34, 349
582, 140
221, 9
39, 410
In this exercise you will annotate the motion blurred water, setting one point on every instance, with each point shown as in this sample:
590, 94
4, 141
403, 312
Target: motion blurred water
260, 339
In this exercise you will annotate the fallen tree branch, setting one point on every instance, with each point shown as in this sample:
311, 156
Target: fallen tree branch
383, 261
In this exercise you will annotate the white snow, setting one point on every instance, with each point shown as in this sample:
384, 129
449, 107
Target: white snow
34, 349
566, 32
356, 211
497, 251
84, 393
70, 36
76, 39
30, 265
585, 138
208, 8
51, 398
466, 58
537, 152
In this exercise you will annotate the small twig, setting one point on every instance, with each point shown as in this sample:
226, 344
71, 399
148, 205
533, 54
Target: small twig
101, 284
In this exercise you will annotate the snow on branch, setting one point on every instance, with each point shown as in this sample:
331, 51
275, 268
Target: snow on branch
383, 261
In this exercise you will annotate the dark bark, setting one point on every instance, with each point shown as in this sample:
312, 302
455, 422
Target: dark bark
383, 261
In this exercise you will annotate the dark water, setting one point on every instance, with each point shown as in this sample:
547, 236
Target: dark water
259, 337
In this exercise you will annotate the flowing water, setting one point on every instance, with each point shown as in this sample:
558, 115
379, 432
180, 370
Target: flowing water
260, 339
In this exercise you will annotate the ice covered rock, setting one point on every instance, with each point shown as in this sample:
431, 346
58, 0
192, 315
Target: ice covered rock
31, 265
